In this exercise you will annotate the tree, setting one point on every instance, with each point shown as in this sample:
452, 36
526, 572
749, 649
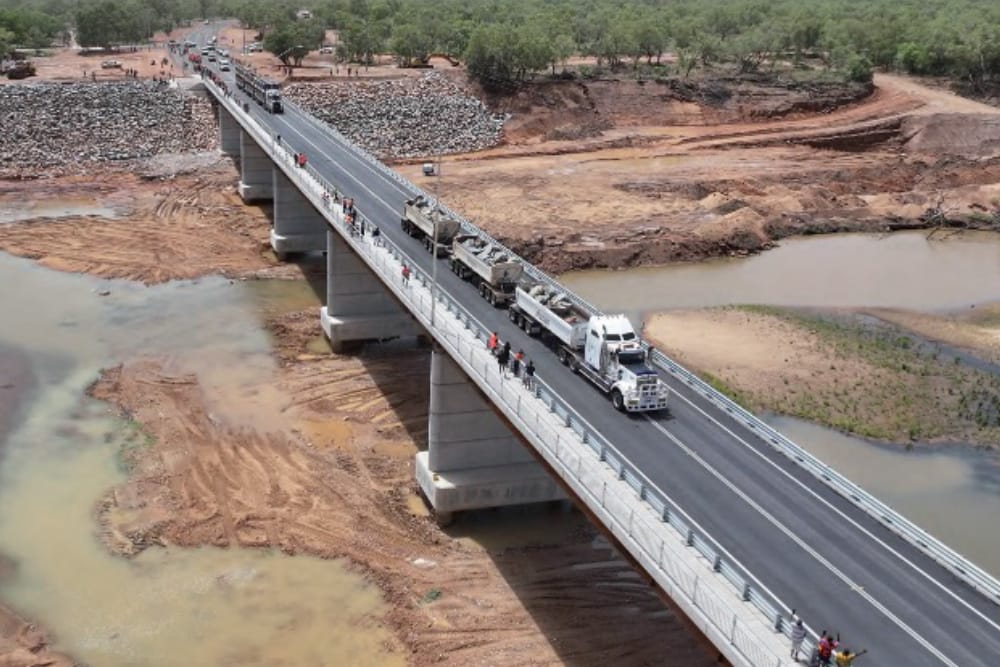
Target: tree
411, 45
105, 23
563, 47
291, 41
6, 42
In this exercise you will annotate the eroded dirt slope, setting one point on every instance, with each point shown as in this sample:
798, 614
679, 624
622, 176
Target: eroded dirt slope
646, 192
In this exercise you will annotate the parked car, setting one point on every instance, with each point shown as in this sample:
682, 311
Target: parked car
326, 49
111, 64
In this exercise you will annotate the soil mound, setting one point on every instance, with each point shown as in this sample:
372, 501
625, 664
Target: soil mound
549, 110
963, 135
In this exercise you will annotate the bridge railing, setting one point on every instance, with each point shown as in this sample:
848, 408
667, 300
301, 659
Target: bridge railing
882, 512
561, 432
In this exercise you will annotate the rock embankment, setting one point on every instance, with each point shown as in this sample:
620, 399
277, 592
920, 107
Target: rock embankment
402, 118
55, 128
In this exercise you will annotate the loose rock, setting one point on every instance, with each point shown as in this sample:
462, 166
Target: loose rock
402, 118
57, 128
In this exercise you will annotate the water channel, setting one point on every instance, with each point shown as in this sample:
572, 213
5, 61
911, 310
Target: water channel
168, 606
953, 493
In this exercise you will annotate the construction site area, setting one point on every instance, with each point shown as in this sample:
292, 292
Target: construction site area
310, 454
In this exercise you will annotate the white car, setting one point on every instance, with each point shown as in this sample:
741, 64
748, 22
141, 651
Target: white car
224, 65
326, 49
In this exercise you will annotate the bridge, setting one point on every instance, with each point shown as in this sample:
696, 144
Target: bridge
732, 521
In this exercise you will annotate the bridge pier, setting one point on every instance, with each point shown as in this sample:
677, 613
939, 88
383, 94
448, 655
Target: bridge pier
256, 180
358, 307
473, 460
298, 227
229, 133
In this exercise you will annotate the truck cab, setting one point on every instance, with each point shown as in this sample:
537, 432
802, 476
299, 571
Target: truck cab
613, 352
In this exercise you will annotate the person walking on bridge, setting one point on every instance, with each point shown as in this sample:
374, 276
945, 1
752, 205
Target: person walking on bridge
492, 342
798, 635
503, 356
529, 374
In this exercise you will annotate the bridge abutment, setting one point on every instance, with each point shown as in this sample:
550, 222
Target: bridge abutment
358, 307
229, 133
256, 180
298, 226
473, 460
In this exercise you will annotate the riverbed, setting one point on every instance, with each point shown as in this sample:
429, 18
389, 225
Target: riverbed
62, 450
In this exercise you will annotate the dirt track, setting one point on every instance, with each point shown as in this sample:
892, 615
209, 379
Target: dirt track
328, 471
643, 194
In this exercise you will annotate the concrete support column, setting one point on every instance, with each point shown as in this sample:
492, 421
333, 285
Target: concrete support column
298, 227
358, 307
256, 180
473, 460
229, 133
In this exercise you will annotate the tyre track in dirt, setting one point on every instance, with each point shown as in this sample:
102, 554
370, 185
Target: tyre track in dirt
179, 229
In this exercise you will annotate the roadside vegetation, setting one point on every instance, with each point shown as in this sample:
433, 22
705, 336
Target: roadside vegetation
506, 42
913, 390
849, 372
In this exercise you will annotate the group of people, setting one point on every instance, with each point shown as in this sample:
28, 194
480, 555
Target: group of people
516, 364
826, 652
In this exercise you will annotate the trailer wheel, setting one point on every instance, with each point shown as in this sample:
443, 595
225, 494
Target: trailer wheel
618, 400
563, 357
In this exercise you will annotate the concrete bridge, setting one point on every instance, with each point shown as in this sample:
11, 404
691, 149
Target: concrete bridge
732, 521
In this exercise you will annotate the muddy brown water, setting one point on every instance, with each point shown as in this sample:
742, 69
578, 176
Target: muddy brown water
903, 270
954, 495
167, 606
951, 492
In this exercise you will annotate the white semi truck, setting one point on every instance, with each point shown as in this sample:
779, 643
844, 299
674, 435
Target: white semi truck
603, 348
491, 268
418, 220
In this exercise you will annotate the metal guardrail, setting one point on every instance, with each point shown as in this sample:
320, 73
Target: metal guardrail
944, 555
538, 407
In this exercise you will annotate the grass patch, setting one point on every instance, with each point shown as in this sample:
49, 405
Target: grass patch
884, 383
134, 439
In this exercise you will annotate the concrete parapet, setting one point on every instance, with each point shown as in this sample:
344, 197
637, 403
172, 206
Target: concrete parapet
472, 459
358, 307
229, 133
298, 227
256, 180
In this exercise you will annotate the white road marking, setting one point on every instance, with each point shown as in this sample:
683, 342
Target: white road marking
861, 529
805, 547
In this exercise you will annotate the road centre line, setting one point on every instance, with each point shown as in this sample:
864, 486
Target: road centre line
805, 547
864, 531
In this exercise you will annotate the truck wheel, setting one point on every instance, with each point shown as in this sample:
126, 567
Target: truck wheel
514, 318
563, 357
618, 400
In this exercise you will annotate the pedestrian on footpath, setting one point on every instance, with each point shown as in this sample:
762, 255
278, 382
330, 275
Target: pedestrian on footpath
406, 275
376, 236
515, 363
798, 635
529, 374
492, 342
503, 356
